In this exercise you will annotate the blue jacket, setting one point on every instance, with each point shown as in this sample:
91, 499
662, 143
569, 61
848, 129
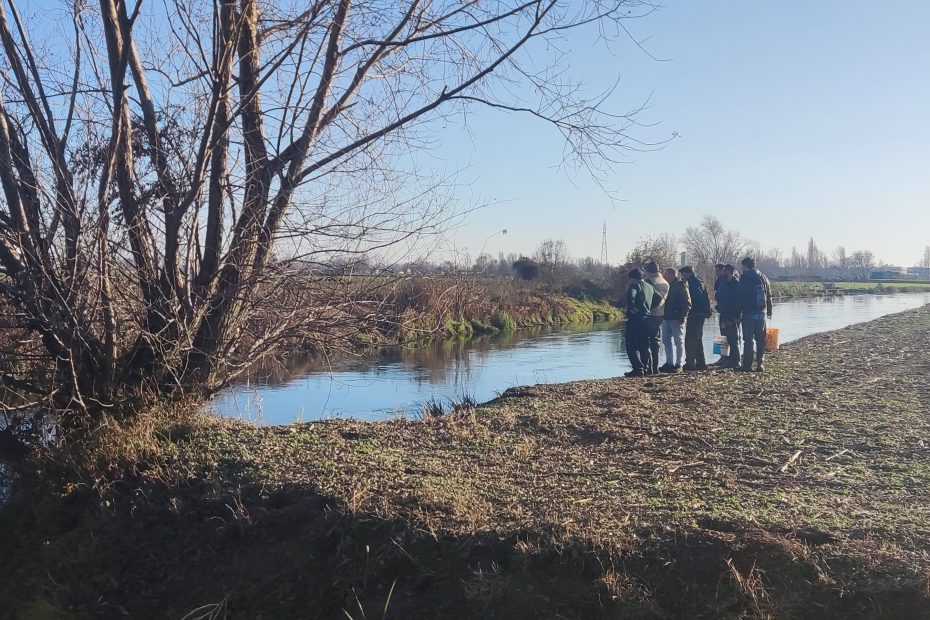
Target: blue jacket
728, 300
748, 285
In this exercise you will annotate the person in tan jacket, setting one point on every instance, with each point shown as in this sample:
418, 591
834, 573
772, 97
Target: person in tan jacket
656, 314
677, 307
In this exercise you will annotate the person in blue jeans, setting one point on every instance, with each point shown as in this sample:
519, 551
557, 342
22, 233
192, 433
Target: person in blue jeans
677, 307
755, 295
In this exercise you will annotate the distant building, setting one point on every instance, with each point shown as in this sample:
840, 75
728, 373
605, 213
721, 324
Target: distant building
884, 274
918, 272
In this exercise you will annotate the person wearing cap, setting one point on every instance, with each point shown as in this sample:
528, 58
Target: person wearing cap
677, 306
639, 297
657, 314
694, 328
756, 303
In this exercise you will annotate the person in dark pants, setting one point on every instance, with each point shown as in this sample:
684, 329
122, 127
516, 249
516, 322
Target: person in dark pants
719, 276
639, 296
756, 304
657, 314
694, 328
729, 307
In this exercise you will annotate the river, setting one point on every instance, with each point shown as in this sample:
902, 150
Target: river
398, 381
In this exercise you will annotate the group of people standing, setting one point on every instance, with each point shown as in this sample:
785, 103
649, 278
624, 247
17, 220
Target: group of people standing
670, 309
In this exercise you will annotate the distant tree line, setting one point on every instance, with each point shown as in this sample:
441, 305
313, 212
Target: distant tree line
702, 245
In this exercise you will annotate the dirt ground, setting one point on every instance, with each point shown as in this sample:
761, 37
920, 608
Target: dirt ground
803, 492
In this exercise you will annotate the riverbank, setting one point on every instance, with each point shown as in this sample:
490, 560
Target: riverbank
531, 309
802, 492
784, 289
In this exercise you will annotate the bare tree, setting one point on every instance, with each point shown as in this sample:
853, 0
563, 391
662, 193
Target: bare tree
710, 243
863, 260
796, 261
175, 179
552, 258
925, 262
841, 260
662, 249
770, 261
815, 258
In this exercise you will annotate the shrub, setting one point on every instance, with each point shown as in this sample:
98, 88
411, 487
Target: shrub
526, 268
503, 322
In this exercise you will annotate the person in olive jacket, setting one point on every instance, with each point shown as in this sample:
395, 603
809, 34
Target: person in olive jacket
729, 305
639, 297
677, 306
694, 327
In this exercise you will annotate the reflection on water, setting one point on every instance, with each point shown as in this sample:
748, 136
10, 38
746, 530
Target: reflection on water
398, 380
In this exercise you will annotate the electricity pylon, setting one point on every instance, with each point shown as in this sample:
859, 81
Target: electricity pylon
604, 246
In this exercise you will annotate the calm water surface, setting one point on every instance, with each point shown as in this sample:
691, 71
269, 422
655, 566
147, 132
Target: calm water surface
400, 380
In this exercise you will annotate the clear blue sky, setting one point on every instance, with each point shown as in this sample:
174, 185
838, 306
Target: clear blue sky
795, 119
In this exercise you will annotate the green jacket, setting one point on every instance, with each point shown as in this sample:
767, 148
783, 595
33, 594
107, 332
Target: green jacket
678, 302
639, 300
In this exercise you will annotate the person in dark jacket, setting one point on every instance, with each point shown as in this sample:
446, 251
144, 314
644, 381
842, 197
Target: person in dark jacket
677, 306
639, 296
719, 276
694, 328
756, 304
730, 310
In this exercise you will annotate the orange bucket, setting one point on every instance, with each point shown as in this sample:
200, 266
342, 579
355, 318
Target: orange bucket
771, 339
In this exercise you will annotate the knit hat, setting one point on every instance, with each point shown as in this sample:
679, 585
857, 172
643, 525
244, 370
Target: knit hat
635, 274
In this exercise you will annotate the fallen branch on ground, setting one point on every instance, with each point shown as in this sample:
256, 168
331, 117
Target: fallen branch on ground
794, 457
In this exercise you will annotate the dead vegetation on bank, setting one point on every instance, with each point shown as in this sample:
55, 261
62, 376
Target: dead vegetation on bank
804, 492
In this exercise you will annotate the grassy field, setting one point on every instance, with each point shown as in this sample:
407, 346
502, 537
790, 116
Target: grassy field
800, 493
796, 289
871, 285
810, 289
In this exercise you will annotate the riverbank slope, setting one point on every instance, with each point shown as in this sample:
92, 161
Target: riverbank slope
789, 289
803, 492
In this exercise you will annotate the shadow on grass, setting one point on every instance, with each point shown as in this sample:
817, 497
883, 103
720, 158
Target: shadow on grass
160, 550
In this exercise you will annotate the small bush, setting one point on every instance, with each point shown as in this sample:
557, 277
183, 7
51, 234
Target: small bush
432, 409
503, 322
478, 327
459, 329
465, 401
526, 268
